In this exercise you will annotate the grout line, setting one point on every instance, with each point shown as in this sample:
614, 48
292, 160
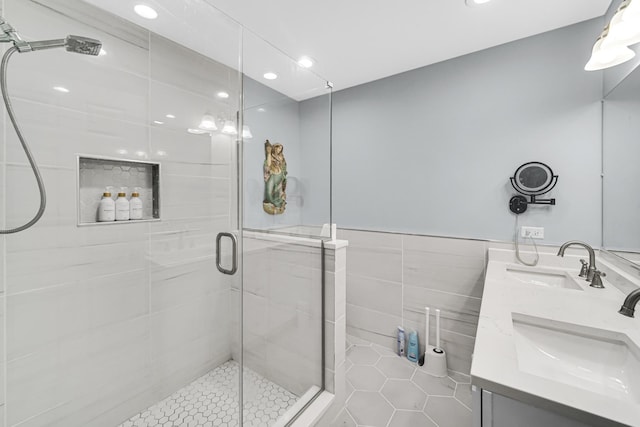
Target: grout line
392, 415
424, 408
431, 419
401, 283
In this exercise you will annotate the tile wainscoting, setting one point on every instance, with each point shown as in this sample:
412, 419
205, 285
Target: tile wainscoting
392, 277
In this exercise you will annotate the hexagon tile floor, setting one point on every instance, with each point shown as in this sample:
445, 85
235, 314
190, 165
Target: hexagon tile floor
212, 400
388, 391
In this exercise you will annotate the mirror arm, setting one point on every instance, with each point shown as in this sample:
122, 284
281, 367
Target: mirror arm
535, 201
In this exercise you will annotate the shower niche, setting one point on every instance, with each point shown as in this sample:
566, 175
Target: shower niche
95, 175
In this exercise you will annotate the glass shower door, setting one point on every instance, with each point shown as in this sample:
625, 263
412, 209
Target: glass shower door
214, 301
120, 323
285, 192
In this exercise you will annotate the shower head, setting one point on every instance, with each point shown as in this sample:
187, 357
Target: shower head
77, 44
83, 45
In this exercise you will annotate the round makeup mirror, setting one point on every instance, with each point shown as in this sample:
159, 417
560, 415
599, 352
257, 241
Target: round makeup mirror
532, 179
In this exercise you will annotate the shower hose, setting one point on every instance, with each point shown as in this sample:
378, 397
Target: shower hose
25, 146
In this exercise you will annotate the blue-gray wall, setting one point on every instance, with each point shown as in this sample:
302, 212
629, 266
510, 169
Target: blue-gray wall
276, 117
315, 134
304, 131
430, 151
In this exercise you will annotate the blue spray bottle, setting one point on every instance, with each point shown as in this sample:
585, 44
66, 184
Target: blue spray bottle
412, 351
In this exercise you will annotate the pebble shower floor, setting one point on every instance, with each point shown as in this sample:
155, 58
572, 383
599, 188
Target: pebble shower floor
212, 400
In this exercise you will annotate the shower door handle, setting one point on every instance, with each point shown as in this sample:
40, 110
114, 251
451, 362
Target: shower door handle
234, 253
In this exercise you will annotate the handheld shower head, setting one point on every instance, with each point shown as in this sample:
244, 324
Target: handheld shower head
77, 44
83, 45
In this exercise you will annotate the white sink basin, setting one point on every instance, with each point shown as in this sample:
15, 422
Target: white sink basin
542, 277
596, 360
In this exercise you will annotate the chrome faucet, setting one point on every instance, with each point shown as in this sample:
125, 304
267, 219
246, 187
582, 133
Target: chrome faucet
593, 275
629, 305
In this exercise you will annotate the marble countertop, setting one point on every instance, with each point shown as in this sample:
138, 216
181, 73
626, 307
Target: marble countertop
495, 361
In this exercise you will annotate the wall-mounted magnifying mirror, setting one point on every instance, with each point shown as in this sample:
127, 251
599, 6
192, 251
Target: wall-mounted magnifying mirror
531, 180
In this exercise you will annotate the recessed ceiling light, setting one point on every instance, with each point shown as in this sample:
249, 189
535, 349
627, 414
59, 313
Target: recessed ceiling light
261, 110
305, 62
61, 89
141, 153
145, 11
161, 153
223, 95
122, 151
102, 52
170, 116
270, 76
158, 122
476, 2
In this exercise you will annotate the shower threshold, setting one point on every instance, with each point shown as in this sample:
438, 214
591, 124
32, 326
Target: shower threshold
212, 400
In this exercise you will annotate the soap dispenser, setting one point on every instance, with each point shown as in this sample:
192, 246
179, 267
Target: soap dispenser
107, 207
122, 206
135, 205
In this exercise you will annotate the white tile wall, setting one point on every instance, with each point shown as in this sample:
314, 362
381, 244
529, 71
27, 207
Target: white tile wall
282, 312
335, 330
104, 321
392, 277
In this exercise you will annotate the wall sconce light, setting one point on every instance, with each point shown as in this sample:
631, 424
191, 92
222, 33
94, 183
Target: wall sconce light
208, 123
229, 128
603, 56
612, 47
624, 29
246, 132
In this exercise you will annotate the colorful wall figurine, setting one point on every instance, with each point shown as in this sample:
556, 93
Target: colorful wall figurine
275, 179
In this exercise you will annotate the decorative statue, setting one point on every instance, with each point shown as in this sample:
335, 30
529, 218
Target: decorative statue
275, 179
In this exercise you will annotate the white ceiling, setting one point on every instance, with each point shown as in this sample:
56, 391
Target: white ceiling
352, 41
357, 41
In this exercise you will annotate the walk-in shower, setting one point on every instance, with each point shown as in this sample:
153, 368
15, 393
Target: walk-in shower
77, 44
131, 323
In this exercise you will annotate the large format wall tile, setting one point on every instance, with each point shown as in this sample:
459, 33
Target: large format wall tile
176, 65
104, 320
450, 265
395, 276
282, 285
60, 134
375, 294
372, 325
377, 255
458, 312
59, 380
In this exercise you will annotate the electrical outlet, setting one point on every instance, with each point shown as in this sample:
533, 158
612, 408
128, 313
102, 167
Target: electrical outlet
532, 232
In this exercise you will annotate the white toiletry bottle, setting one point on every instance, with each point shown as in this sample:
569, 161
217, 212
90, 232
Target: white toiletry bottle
135, 206
122, 207
107, 208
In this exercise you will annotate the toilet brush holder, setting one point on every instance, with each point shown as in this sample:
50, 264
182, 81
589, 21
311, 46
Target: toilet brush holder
435, 362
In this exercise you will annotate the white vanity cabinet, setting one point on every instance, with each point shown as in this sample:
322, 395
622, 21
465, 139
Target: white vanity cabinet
494, 410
